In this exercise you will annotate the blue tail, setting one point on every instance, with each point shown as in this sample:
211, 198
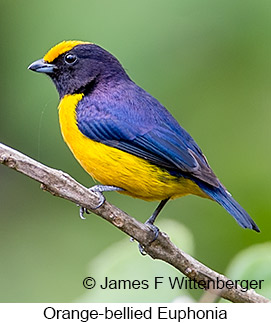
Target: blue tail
221, 196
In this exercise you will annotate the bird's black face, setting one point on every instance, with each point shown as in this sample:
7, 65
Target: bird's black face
75, 70
80, 68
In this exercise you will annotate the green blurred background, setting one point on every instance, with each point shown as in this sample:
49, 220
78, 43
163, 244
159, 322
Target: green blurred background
208, 62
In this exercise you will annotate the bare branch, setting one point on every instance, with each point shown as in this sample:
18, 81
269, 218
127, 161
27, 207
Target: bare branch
62, 185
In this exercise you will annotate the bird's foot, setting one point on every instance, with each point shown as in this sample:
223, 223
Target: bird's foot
155, 231
150, 224
98, 189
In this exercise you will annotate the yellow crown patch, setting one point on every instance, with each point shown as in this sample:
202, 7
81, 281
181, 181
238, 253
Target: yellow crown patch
61, 48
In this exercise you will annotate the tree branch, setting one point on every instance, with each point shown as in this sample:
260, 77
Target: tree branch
62, 185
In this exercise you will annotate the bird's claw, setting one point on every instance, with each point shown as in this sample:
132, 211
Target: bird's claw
82, 211
155, 230
101, 197
99, 189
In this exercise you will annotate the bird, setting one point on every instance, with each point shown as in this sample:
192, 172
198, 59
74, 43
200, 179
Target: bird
124, 137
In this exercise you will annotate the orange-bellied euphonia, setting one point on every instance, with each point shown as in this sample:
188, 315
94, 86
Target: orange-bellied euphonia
123, 137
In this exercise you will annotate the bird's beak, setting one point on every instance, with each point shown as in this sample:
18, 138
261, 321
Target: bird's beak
42, 67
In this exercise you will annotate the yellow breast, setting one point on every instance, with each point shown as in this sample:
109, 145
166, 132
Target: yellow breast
111, 166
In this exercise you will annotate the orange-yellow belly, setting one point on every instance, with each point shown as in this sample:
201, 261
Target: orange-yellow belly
111, 166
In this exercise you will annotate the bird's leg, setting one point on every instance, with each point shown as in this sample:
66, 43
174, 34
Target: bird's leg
99, 189
150, 223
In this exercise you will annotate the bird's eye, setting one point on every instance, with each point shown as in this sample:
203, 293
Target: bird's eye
70, 58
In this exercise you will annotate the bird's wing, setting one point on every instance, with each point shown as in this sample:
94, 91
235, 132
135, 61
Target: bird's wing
155, 142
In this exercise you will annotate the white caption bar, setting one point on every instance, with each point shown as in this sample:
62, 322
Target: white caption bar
133, 312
